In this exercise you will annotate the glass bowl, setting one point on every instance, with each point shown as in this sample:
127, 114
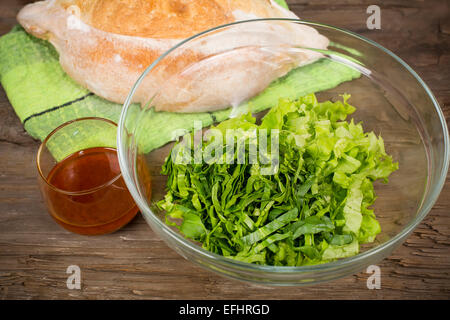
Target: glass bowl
391, 100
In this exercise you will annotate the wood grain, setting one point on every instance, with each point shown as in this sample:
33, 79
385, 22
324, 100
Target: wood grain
135, 264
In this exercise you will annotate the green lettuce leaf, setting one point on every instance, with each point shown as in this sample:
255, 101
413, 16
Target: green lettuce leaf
314, 208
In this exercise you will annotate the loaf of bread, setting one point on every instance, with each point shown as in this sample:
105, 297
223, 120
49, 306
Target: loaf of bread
105, 45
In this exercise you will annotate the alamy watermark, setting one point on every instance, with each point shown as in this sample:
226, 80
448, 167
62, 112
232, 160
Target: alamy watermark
374, 280
74, 280
374, 20
229, 146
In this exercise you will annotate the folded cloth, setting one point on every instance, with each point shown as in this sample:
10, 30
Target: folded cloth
44, 96
282, 3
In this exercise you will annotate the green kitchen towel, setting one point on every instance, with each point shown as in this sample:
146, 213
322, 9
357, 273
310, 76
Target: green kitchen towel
282, 3
44, 96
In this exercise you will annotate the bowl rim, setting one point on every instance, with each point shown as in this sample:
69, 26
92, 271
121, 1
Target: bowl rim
423, 210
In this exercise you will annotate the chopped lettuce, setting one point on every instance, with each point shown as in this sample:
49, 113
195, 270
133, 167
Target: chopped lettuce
313, 208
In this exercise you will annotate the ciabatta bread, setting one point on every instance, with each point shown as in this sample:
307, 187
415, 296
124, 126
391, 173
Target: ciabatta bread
106, 44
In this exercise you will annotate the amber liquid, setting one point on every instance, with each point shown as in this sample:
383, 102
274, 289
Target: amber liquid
95, 198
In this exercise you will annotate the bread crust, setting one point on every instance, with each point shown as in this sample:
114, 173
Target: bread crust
105, 45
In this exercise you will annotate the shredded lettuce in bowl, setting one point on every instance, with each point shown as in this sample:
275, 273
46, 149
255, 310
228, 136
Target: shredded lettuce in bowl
313, 208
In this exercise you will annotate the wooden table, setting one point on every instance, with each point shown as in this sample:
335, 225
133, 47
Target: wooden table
135, 264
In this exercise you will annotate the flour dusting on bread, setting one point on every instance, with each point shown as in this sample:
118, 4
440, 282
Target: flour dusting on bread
105, 45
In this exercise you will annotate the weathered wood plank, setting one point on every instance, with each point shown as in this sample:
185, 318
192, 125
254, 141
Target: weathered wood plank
135, 264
